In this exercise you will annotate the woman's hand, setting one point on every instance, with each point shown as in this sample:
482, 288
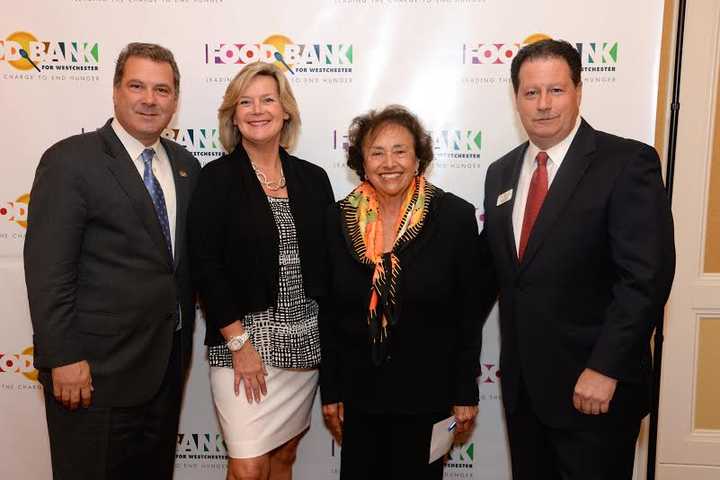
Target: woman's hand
334, 415
249, 369
464, 418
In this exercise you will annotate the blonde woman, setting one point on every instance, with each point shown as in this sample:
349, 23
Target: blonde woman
255, 238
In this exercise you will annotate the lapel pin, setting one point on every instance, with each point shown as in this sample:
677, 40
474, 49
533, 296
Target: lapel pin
182, 173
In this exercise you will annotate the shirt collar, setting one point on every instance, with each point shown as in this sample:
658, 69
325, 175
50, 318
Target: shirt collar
558, 151
133, 146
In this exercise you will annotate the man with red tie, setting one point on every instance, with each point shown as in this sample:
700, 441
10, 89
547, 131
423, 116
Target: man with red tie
581, 237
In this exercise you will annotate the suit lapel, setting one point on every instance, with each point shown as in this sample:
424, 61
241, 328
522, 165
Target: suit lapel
571, 171
123, 169
180, 176
253, 202
509, 180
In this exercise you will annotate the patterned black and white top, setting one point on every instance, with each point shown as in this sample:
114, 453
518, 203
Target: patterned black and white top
286, 335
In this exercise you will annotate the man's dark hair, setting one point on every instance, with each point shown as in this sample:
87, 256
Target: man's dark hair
547, 49
151, 51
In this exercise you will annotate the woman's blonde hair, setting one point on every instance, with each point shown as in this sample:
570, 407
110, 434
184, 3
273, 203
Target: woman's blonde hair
229, 134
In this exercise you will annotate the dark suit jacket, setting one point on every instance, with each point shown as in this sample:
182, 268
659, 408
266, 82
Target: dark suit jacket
594, 279
101, 283
234, 243
434, 352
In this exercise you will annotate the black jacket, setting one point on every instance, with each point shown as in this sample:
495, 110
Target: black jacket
234, 240
435, 348
593, 281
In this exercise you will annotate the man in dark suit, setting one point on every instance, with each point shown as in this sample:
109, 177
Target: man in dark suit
581, 237
108, 281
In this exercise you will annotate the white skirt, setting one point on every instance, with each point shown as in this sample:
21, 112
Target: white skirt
254, 429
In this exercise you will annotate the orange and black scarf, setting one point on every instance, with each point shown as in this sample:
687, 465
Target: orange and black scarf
363, 224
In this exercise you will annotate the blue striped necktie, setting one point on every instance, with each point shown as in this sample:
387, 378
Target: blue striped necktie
157, 196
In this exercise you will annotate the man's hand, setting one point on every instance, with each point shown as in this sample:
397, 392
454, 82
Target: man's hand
72, 384
593, 392
334, 416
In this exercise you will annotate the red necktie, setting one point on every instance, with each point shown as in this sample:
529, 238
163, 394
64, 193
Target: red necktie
536, 196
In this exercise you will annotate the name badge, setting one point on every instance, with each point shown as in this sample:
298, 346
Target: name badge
504, 197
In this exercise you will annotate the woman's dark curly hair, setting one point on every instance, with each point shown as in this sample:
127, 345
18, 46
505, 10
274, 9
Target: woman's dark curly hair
364, 127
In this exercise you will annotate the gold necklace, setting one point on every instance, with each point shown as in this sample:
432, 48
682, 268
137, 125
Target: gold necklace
270, 185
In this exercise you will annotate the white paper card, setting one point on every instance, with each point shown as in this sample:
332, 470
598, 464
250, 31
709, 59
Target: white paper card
442, 438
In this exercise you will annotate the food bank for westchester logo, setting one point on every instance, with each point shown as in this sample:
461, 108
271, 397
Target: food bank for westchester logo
20, 363
16, 211
25, 52
595, 55
309, 58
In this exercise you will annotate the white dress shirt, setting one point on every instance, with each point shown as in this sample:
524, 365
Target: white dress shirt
161, 169
556, 156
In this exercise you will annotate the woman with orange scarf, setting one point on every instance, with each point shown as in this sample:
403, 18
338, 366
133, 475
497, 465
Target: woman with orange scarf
400, 329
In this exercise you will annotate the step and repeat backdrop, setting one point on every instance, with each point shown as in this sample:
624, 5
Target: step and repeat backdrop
446, 60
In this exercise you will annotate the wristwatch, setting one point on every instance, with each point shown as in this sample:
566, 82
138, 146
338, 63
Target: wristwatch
236, 342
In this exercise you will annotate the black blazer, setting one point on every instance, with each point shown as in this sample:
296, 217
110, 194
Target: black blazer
434, 352
101, 283
593, 281
234, 240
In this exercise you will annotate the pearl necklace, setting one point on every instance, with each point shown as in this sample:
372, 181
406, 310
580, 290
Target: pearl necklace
270, 185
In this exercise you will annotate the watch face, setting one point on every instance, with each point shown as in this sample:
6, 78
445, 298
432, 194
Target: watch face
236, 343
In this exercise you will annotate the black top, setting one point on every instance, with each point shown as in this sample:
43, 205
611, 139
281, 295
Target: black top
234, 240
286, 335
593, 281
434, 354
